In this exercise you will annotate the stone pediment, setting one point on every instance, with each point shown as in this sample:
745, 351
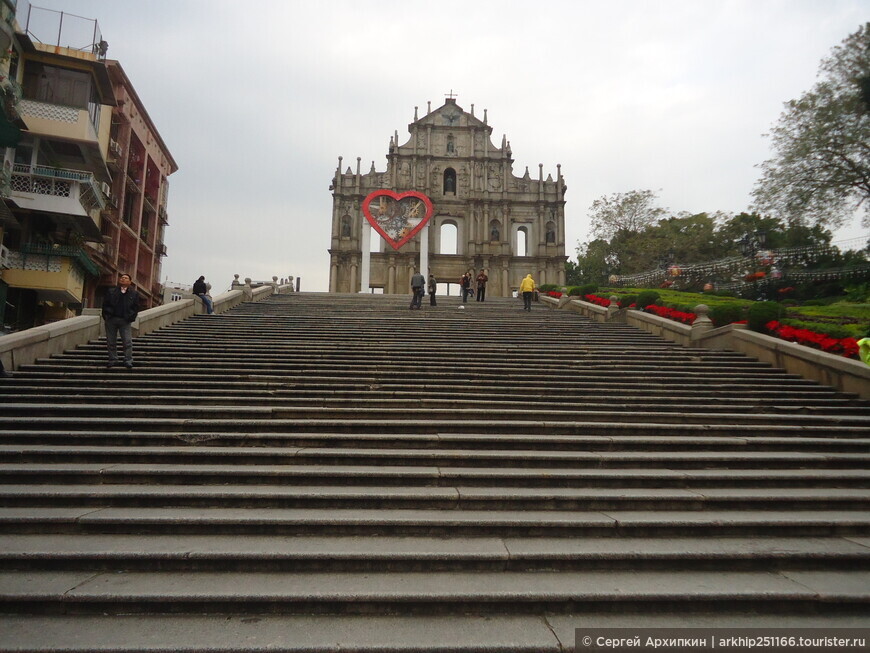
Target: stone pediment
450, 114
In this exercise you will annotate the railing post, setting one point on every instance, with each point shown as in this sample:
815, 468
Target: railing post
613, 308
249, 292
702, 323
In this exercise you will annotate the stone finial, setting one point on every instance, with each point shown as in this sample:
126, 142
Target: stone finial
613, 308
249, 292
702, 323
235, 281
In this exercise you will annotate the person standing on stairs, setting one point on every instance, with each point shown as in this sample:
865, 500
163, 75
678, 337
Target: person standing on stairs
433, 288
481, 285
465, 285
200, 289
418, 283
120, 310
527, 288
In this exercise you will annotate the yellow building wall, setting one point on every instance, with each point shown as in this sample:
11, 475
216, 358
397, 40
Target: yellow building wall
68, 280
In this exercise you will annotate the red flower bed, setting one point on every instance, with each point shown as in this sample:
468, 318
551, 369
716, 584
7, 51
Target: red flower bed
671, 314
595, 299
841, 346
554, 293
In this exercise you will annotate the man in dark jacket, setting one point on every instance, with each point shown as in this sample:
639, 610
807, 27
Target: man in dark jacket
418, 282
120, 309
200, 289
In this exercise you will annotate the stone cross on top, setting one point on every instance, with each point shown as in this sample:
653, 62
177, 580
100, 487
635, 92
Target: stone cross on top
451, 95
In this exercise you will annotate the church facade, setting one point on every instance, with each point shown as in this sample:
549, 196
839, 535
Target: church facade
506, 225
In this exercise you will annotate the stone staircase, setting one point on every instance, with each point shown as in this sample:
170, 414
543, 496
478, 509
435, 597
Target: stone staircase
325, 472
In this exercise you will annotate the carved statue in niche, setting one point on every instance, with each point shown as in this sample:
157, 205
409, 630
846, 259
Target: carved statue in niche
551, 235
451, 148
404, 174
449, 184
478, 176
345, 226
494, 231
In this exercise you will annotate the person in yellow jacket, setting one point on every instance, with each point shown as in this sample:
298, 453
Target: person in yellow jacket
864, 350
527, 288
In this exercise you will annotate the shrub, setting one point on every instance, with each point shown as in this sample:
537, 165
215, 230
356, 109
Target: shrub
760, 313
574, 291
724, 314
547, 287
646, 298
588, 289
628, 300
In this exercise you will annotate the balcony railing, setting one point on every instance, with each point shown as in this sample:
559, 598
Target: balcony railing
57, 182
77, 254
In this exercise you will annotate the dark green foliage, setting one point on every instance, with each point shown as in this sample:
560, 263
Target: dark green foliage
646, 298
547, 287
760, 313
724, 314
628, 300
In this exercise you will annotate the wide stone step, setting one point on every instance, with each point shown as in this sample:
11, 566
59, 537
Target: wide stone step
415, 476
158, 390
130, 552
456, 457
437, 497
424, 592
364, 521
264, 632
494, 402
259, 416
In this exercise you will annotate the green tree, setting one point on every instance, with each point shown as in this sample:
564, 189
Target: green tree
595, 262
630, 212
820, 169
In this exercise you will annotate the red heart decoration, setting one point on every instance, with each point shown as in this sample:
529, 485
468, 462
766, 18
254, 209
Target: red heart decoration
397, 217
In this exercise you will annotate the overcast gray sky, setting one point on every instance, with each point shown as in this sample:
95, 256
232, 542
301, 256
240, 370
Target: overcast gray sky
257, 99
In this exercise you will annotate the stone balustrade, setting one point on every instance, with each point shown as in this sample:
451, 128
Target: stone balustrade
843, 374
25, 347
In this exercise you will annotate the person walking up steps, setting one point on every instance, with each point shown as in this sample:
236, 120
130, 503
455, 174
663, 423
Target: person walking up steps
433, 288
527, 288
417, 287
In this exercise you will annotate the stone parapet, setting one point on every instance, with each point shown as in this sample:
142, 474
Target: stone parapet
25, 347
843, 374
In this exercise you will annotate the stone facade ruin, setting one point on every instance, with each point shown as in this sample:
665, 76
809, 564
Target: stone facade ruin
507, 225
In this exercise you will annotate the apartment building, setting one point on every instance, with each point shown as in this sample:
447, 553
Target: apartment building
85, 183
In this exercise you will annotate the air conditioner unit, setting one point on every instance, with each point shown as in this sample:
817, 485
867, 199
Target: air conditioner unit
107, 190
4, 258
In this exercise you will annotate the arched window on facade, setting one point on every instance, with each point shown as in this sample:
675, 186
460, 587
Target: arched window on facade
450, 181
522, 242
448, 238
551, 233
494, 231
